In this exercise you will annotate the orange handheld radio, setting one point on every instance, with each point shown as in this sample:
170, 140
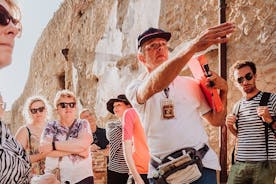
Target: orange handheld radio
200, 70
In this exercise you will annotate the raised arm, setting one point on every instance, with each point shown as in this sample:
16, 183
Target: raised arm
163, 75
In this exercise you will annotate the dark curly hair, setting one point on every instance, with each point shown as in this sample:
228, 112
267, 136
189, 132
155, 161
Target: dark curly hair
240, 64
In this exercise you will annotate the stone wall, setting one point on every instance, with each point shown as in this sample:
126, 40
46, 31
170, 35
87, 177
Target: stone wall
98, 39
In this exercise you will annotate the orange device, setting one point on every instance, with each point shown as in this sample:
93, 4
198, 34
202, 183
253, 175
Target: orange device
200, 70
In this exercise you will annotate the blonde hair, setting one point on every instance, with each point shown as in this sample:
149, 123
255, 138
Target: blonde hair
63, 93
87, 110
28, 104
16, 13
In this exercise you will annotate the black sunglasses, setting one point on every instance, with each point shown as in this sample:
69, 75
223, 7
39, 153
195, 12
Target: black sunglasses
35, 110
248, 77
65, 105
5, 17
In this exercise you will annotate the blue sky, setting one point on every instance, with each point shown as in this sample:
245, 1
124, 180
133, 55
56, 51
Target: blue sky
35, 16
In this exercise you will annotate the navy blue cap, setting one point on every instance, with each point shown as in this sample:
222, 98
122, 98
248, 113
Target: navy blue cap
152, 33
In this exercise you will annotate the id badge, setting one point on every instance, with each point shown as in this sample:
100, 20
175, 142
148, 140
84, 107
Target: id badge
167, 108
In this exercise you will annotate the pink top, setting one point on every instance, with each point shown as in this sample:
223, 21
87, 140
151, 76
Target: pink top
133, 130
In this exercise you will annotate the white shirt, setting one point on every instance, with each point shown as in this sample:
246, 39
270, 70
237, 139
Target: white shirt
185, 130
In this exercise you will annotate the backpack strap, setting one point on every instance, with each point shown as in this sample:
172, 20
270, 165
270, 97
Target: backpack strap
236, 113
263, 102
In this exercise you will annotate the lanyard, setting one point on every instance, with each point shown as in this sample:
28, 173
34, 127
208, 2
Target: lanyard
167, 91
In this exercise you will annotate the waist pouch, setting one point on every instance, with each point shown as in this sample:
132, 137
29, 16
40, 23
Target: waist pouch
181, 167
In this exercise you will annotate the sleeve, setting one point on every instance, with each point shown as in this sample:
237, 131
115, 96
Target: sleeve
49, 131
86, 126
128, 124
108, 129
131, 94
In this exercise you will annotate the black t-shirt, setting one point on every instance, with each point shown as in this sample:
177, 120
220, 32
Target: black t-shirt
100, 138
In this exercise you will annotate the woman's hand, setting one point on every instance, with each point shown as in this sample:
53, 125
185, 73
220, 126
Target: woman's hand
46, 146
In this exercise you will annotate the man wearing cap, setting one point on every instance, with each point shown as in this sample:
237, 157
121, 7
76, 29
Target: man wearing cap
117, 172
171, 107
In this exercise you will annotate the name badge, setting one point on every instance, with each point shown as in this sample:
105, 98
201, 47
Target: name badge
167, 107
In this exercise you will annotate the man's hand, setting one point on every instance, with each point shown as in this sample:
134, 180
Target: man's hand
219, 82
94, 147
230, 123
213, 35
263, 112
230, 120
84, 154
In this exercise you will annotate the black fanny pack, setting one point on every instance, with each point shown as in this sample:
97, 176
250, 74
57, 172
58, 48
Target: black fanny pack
181, 166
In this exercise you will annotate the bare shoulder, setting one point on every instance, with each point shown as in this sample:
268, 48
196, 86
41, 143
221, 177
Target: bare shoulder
22, 131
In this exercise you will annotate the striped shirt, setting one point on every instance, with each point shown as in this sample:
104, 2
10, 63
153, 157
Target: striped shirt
14, 163
251, 131
117, 161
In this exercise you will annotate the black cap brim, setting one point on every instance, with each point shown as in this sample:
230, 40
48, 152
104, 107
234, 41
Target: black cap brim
110, 103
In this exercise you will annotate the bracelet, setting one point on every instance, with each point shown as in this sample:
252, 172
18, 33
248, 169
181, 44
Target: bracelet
54, 145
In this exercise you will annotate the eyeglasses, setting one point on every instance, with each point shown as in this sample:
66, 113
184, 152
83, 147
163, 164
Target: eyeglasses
6, 18
248, 77
156, 45
35, 110
3, 105
65, 105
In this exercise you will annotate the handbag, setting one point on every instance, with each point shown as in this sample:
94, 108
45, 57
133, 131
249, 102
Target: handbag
182, 166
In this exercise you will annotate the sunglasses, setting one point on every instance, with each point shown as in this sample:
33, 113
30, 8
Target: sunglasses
35, 110
6, 18
65, 105
248, 77
3, 105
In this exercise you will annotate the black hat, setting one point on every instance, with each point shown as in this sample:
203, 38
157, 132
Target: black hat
152, 33
120, 98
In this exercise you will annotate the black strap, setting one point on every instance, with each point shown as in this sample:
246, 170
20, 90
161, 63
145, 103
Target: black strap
236, 113
29, 135
263, 102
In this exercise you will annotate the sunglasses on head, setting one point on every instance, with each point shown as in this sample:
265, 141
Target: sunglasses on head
65, 105
35, 110
248, 77
6, 18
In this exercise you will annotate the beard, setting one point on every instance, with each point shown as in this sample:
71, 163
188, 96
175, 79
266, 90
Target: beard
249, 88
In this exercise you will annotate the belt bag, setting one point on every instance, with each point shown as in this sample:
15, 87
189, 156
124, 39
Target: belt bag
181, 167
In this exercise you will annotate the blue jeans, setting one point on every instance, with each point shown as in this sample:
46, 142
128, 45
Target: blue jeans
208, 177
